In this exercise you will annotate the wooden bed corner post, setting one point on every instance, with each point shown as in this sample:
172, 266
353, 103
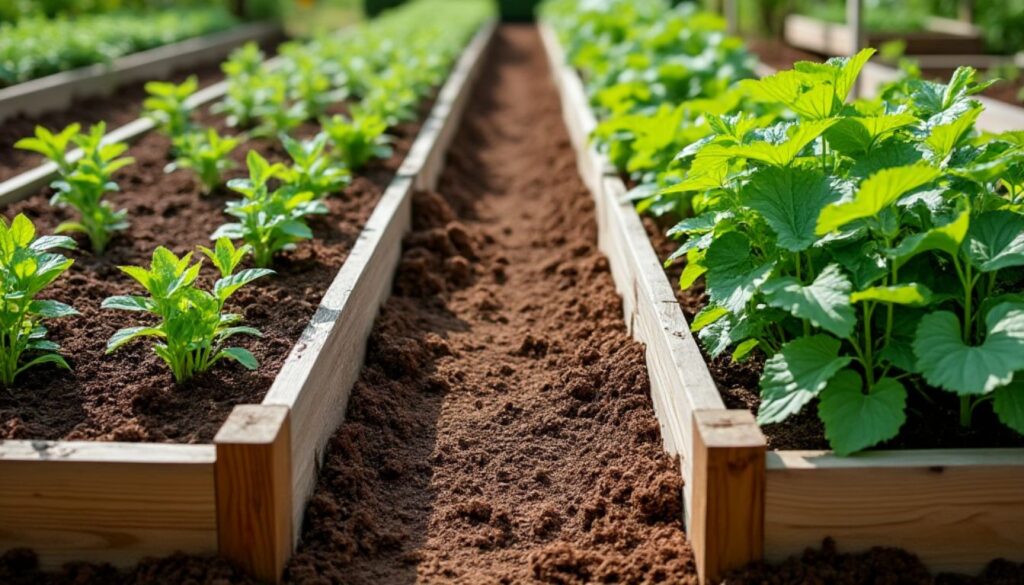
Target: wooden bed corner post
727, 519
254, 490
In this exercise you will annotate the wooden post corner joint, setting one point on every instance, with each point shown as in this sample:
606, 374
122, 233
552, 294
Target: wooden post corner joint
254, 490
727, 516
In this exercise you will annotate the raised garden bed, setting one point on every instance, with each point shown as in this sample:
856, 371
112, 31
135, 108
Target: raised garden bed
242, 492
941, 36
58, 91
955, 508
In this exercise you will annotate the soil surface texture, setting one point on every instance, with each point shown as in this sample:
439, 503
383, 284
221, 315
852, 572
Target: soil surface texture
130, 395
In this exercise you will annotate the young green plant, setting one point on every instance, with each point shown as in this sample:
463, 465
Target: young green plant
208, 154
269, 220
356, 141
27, 267
193, 329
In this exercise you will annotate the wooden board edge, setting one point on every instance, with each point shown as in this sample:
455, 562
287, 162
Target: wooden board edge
58, 91
317, 377
956, 509
106, 502
727, 527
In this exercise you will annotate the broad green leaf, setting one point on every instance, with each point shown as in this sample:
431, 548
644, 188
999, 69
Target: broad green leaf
52, 309
915, 295
240, 355
123, 336
855, 419
22, 230
995, 240
127, 303
707, 316
798, 373
825, 302
733, 275
1008, 403
876, 193
942, 139
226, 287
49, 358
946, 361
854, 136
790, 200
782, 154
743, 350
946, 238
694, 269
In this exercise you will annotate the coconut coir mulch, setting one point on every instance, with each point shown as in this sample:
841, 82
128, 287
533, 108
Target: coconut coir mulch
501, 431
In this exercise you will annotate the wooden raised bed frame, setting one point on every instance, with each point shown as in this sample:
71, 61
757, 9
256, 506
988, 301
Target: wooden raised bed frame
955, 508
941, 36
244, 495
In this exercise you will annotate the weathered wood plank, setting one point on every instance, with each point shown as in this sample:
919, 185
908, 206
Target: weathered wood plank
254, 490
106, 502
727, 524
955, 508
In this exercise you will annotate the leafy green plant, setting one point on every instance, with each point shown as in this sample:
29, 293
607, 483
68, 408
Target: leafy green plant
208, 154
868, 250
193, 329
311, 170
270, 220
168, 105
85, 180
274, 108
27, 266
356, 140
830, 244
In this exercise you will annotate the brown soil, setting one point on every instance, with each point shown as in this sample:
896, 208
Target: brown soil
130, 395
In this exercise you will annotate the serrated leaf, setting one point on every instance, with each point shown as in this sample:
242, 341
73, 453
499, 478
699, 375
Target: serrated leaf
854, 136
995, 240
825, 302
914, 295
876, 193
854, 419
783, 153
790, 200
733, 276
947, 362
797, 374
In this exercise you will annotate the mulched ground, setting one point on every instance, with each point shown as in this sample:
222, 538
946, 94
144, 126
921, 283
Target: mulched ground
131, 395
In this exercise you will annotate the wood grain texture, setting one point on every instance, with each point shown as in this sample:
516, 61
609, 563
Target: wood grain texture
106, 502
955, 508
727, 522
254, 490
317, 378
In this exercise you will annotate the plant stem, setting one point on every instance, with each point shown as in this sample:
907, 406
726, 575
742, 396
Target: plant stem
869, 362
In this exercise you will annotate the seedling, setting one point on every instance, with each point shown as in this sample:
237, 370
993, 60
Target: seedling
357, 140
168, 105
270, 220
27, 266
193, 330
85, 181
208, 154
311, 169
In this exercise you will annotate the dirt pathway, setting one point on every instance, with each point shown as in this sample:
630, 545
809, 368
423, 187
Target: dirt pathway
502, 430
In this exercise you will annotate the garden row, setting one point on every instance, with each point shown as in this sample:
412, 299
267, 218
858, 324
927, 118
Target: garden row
304, 155
859, 261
